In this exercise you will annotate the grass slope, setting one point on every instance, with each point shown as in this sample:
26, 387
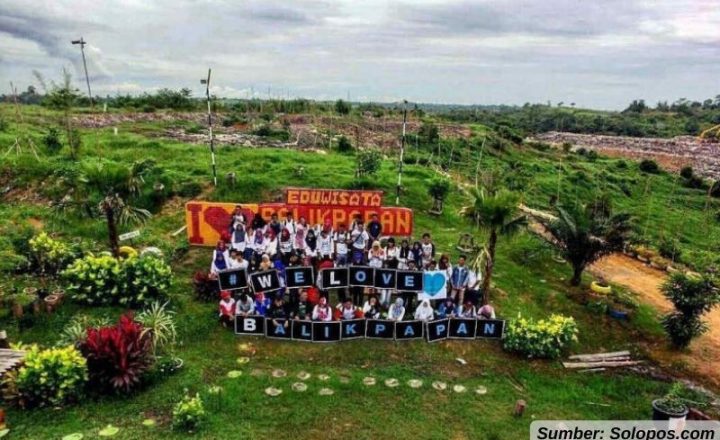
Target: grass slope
530, 283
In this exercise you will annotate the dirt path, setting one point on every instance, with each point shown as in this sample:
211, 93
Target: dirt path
703, 357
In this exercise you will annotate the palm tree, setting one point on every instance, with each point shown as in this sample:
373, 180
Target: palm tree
107, 189
586, 234
498, 213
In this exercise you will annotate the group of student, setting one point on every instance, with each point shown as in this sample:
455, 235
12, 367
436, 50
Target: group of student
257, 245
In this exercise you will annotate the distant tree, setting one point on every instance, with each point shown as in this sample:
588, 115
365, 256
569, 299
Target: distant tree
649, 166
367, 162
344, 145
586, 234
429, 133
637, 106
342, 107
498, 213
64, 97
686, 172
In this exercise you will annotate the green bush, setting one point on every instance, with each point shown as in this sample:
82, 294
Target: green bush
344, 145
190, 189
692, 297
145, 280
51, 377
649, 166
686, 172
189, 413
540, 339
51, 140
368, 162
51, 256
438, 188
105, 280
94, 280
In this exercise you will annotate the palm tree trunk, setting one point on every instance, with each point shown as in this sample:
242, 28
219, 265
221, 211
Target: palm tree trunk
489, 265
112, 232
577, 275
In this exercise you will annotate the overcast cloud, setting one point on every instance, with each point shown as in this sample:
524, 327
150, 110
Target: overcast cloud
599, 54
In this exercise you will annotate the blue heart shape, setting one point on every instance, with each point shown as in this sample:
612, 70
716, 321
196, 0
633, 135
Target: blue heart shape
433, 283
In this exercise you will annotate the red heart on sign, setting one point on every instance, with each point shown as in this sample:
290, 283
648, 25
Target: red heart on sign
218, 219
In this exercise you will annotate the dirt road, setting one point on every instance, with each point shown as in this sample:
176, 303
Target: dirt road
703, 357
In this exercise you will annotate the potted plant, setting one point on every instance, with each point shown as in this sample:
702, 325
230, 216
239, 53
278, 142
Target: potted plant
20, 302
671, 406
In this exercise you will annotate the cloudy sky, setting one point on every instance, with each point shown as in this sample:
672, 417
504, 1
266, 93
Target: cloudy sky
596, 53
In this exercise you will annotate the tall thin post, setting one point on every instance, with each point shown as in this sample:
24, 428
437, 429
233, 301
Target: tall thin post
210, 126
82, 44
402, 154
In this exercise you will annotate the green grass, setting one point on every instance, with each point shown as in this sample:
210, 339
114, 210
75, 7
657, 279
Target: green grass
530, 283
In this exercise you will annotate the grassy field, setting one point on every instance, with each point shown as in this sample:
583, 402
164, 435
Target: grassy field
529, 282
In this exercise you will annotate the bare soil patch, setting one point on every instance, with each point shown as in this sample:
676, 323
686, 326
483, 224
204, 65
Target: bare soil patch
703, 356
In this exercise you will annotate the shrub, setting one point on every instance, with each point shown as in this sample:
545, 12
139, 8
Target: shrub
344, 145
51, 377
3, 124
715, 189
190, 189
567, 147
439, 188
118, 356
194, 129
94, 280
51, 140
592, 156
692, 297
540, 339
686, 172
367, 162
10, 260
669, 248
695, 182
145, 279
75, 332
105, 280
159, 323
649, 166
50, 255
189, 413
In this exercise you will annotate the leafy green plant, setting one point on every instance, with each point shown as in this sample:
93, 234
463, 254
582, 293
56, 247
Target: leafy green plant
50, 255
189, 413
367, 162
669, 248
545, 338
51, 377
673, 402
94, 280
145, 279
75, 332
439, 188
586, 234
51, 140
692, 297
105, 280
159, 323
344, 145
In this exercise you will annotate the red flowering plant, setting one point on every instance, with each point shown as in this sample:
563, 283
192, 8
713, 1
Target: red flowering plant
119, 355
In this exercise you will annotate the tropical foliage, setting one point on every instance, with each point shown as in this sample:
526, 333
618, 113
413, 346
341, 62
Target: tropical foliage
50, 255
51, 377
586, 234
498, 213
545, 338
105, 280
692, 297
118, 356
189, 413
